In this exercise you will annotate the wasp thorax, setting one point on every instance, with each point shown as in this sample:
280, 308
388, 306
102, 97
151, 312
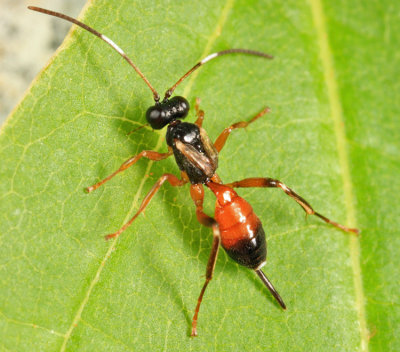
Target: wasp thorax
161, 114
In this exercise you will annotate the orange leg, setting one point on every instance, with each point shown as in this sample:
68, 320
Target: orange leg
199, 113
197, 193
172, 179
269, 182
149, 154
220, 142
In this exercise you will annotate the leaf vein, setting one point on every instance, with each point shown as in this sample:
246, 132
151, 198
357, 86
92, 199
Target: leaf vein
326, 58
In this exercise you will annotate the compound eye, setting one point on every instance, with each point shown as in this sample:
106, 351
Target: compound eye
181, 107
156, 116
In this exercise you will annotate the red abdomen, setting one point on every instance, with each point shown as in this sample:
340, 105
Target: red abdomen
242, 234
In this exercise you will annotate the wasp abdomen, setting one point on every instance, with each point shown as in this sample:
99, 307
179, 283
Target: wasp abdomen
242, 234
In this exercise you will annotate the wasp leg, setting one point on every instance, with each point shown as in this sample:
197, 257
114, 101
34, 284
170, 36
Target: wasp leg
149, 154
172, 179
272, 183
220, 142
197, 193
199, 113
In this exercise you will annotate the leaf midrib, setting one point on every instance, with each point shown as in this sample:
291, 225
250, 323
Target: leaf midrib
326, 58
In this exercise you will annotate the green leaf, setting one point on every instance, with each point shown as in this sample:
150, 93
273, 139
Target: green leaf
333, 136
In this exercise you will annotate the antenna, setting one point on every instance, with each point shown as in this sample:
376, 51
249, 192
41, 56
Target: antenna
102, 37
169, 92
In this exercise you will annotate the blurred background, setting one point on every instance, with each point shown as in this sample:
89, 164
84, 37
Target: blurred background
27, 41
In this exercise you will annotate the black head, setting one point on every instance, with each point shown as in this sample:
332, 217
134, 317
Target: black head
161, 114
